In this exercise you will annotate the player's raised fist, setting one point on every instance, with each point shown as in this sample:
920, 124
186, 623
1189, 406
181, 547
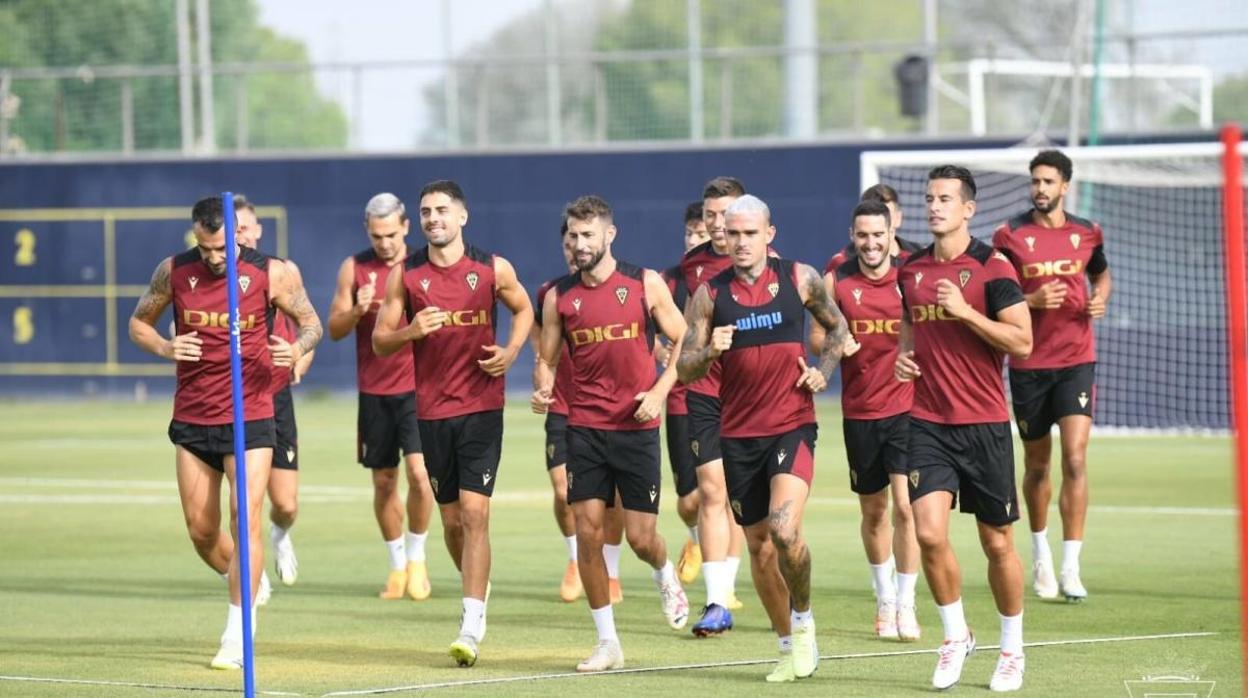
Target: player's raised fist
427, 320
186, 347
905, 369
721, 339
949, 297
1049, 296
364, 297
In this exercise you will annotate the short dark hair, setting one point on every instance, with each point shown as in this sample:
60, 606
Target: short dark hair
959, 173
879, 192
872, 208
209, 213
445, 186
1055, 159
241, 203
693, 212
723, 186
585, 208
563, 228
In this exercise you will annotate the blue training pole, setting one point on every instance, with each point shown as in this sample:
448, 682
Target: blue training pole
240, 444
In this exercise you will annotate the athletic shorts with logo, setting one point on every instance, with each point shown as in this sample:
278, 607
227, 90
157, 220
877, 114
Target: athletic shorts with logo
212, 444
385, 428
684, 470
286, 437
876, 449
556, 440
1043, 396
462, 453
975, 462
602, 462
704, 421
750, 463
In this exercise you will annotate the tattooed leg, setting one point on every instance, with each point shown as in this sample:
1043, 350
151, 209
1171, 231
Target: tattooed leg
788, 502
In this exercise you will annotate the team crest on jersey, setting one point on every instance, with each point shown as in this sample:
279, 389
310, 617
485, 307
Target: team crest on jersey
1074, 240
576, 303
372, 278
698, 272
621, 294
193, 280
693, 446
736, 507
858, 296
472, 278
550, 450
774, 289
781, 456
1031, 243
964, 276
244, 282
424, 285
914, 479
1083, 399
918, 278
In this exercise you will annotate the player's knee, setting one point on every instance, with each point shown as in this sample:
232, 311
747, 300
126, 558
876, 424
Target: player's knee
203, 535
474, 518
385, 481
875, 515
284, 508
930, 539
997, 546
903, 516
1074, 466
784, 537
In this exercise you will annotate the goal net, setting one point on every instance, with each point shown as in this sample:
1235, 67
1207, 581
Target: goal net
1162, 358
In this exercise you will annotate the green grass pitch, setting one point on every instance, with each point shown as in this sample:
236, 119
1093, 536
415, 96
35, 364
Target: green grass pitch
98, 580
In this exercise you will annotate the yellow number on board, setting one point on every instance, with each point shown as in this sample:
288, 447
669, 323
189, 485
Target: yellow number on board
25, 241
23, 325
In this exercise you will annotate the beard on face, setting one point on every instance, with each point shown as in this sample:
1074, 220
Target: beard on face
593, 261
1052, 205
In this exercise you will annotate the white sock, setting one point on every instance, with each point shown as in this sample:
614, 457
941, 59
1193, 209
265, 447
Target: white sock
734, 564
225, 576
415, 545
234, 624
1070, 554
665, 574
800, 619
1012, 633
882, 580
398, 556
277, 534
604, 620
693, 535
954, 620
611, 554
1040, 545
786, 644
716, 590
474, 613
571, 543
905, 588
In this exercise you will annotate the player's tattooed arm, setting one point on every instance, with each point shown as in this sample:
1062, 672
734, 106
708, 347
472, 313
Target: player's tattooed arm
291, 298
152, 303
827, 314
696, 352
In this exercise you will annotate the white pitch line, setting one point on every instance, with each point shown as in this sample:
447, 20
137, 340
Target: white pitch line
132, 684
741, 662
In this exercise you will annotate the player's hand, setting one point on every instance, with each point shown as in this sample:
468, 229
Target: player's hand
427, 320
811, 379
1096, 306
721, 340
541, 401
905, 369
298, 371
186, 347
364, 297
651, 405
949, 297
1049, 296
850, 346
283, 352
499, 361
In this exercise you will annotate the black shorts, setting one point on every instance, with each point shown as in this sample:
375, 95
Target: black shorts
212, 444
286, 439
556, 440
750, 463
704, 419
602, 462
973, 461
876, 448
462, 453
1043, 396
684, 472
386, 426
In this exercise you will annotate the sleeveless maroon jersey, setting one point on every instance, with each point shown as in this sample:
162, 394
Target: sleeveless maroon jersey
758, 392
961, 373
610, 339
872, 307
563, 372
1062, 336
700, 265
203, 394
680, 294
449, 383
377, 375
